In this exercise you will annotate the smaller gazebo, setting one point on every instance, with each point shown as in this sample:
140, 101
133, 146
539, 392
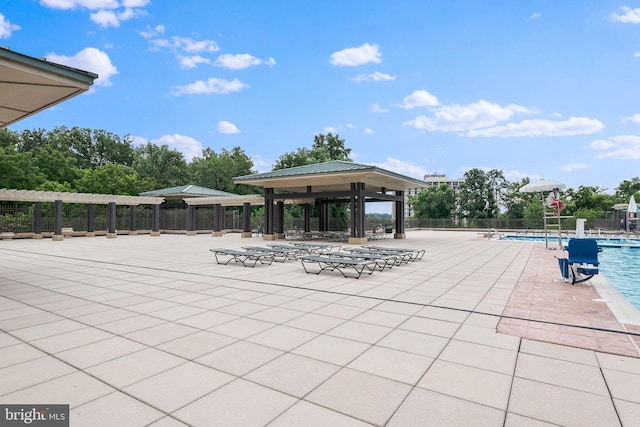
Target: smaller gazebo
332, 182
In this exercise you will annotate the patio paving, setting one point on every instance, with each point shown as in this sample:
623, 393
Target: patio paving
150, 331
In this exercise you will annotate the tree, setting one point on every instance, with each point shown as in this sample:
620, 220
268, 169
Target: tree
434, 202
111, 178
628, 188
160, 165
516, 202
217, 171
9, 139
476, 196
323, 149
18, 171
56, 165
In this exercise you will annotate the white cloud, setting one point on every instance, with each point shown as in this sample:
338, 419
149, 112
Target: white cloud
177, 43
6, 27
461, 118
369, 131
403, 167
354, 56
330, 129
109, 12
535, 15
574, 166
89, 59
635, 118
241, 61
212, 85
573, 126
516, 175
373, 77
188, 146
260, 164
419, 98
152, 32
227, 127
192, 61
375, 108
624, 147
626, 15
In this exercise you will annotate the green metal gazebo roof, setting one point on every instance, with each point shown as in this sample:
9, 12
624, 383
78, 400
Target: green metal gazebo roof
186, 191
330, 175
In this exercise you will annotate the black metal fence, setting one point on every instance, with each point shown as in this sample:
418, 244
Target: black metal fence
19, 218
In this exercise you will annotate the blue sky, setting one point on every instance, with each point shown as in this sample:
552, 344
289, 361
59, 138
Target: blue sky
545, 89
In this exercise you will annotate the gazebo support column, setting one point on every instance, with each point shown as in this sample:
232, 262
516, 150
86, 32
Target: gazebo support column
133, 231
268, 215
37, 220
361, 236
91, 229
307, 217
191, 220
217, 222
246, 220
280, 220
399, 214
155, 227
57, 221
111, 221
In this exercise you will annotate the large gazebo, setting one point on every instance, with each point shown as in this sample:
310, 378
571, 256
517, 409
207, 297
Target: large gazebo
331, 182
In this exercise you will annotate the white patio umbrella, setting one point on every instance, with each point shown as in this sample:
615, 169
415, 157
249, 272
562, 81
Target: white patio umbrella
632, 205
542, 185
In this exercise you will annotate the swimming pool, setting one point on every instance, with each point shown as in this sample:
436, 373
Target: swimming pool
619, 263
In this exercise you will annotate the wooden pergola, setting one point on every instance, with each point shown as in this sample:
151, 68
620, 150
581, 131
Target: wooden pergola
331, 182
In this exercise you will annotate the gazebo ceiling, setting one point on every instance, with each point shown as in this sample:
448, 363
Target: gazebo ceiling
52, 196
29, 85
331, 176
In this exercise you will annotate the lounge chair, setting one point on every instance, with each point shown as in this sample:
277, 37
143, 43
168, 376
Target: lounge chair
246, 258
416, 254
382, 261
582, 262
326, 263
283, 253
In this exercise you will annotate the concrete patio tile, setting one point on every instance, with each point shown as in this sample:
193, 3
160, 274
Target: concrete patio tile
176, 387
628, 412
72, 339
18, 312
131, 324
168, 422
473, 384
239, 358
561, 406
106, 316
115, 409
292, 374
381, 318
358, 331
18, 353
39, 318
276, 315
242, 308
428, 408
315, 322
480, 356
414, 342
26, 374
134, 367
99, 352
310, 415
562, 373
619, 363
83, 310
161, 333
207, 319
398, 307
555, 351
282, 337
363, 396
196, 345
430, 326
214, 303
73, 389
487, 336
304, 304
515, 420
623, 385
240, 403
242, 327
334, 350
392, 364
7, 340
177, 312
341, 311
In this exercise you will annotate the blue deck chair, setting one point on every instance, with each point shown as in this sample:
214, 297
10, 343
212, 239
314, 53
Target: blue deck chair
583, 259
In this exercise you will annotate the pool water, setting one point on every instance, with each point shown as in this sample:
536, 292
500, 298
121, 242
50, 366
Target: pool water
619, 263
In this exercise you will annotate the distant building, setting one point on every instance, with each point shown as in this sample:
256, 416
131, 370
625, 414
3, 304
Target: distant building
430, 180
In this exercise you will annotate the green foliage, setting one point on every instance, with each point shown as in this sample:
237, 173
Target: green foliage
17, 170
217, 170
161, 166
112, 178
324, 149
434, 202
628, 188
477, 195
